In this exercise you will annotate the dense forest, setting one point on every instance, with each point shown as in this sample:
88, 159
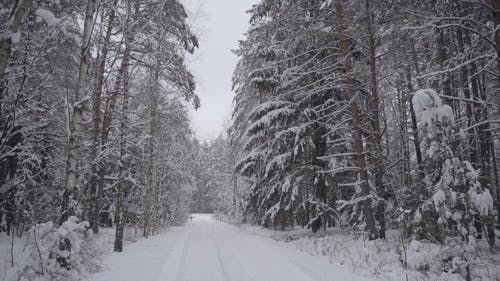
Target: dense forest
372, 115
368, 116
94, 118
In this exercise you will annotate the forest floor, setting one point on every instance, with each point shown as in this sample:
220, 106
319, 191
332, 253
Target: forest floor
208, 250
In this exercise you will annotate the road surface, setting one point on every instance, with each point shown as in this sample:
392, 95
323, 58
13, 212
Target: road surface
207, 250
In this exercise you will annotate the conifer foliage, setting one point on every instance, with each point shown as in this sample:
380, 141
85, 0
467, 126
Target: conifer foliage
370, 115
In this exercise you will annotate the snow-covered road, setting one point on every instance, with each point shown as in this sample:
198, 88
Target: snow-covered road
207, 250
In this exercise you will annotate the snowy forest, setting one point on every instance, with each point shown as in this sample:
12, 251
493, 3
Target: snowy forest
369, 124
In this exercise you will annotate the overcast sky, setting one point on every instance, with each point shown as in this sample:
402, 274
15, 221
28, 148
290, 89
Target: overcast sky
220, 24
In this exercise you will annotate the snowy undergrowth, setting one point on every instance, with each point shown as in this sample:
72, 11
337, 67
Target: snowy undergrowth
385, 259
44, 253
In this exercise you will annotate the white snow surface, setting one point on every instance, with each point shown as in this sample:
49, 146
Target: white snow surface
484, 202
209, 250
47, 16
14, 37
429, 107
382, 259
439, 197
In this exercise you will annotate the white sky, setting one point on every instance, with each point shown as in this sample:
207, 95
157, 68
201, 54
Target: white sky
219, 25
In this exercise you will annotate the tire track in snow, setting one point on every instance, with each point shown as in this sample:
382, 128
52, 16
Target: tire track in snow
213, 251
229, 255
220, 263
178, 248
306, 270
233, 259
263, 246
182, 266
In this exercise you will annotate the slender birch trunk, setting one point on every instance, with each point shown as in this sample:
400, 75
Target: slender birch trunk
78, 108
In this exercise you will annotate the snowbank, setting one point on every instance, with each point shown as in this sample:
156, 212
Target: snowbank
388, 260
47, 252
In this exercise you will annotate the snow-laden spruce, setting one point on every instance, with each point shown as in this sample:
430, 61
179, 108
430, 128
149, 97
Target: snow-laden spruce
459, 202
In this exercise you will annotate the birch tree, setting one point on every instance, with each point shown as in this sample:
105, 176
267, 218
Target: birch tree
81, 97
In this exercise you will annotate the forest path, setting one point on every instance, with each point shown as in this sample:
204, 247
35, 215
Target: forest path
208, 250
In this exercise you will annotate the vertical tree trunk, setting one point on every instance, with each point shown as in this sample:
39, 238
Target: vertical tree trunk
464, 77
96, 117
495, 4
403, 131
376, 135
416, 138
119, 219
235, 188
16, 15
78, 107
106, 125
151, 153
124, 162
497, 181
358, 142
318, 180
482, 132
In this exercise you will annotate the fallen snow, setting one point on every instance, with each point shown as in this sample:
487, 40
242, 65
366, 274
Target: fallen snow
91, 251
484, 202
439, 197
429, 108
15, 38
208, 250
47, 16
384, 259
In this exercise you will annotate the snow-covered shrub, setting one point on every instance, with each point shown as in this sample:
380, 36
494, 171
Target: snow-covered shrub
448, 262
55, 253
430, 257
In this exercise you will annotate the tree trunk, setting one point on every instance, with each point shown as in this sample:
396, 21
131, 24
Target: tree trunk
376, 135
119, 220
416, 138
234, 179
78, 107
464, 77
124, 161
495, 4
151, 156
358, 142
96, 117
404, 139
497, 181
106, 125
16, 15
